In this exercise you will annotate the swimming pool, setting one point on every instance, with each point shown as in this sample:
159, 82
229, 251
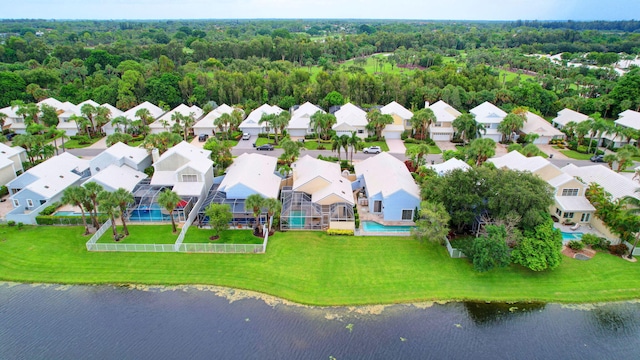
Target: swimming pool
152, 213
372, 226
566, 237
67, 213
296, 219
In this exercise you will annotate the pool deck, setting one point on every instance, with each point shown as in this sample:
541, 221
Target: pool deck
365, 215
584, 229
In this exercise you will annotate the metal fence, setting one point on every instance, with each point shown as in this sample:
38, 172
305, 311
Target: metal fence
96, 236
453, 252
221, 248
133, 247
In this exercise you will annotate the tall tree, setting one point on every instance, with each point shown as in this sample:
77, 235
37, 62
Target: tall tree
467, 127
417, 154
511, 124
123, 197
433, 222
219, 217
421, 122
93, 189
273, 206
481, 149
169, 200
255, 203
76, 195
109, 206
491, 250
355, 144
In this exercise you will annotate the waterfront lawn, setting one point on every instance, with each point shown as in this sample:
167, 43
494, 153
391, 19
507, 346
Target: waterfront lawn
196, 235
314, 268
142, 234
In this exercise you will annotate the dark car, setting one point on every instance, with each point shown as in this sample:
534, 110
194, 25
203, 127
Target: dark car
266, 147
597, 158
203, 137
10, 136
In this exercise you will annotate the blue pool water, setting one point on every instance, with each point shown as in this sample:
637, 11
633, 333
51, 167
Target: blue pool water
296, 219
148, 214
372, 226
566, 237
67, 213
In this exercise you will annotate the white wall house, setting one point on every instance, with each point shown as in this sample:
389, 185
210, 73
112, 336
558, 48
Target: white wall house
251, 125
166, 121
119, 166
130, 114
442, 129
626, 119
401, 120
535, 124
207, 126
566, 116
350, 118
186, 168
12, 120
11, 159
490, 116
300, 123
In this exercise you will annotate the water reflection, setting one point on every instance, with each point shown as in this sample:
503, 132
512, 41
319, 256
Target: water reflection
483, 313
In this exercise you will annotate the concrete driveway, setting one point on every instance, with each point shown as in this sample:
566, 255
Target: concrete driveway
396, 146
246, 144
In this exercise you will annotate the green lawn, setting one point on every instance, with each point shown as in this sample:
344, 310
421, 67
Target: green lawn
74, 144
195, 235
143, 234
432, 149
576, 155
313, 268
383, 144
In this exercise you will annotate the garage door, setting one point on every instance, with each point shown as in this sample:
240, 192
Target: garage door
441, 137
391, 134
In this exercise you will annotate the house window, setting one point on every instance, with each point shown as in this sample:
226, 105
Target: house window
558, 212
360, 131
585, 217
377, 206
189, 178
407, 214
16, 203
438, 124
29, 203
569, 192
568, 215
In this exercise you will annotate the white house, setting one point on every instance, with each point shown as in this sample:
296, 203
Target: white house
207, 126
300, 123
570, 203
11, 159
389, 187
626, 119
535, 124
119, 166
12, 120
186, 168
350, 118
319, 197
490, 116
449, 165
251, 125
442, 129
166, 121
130, 114
401, 120
614, 183
44, 184
566, 116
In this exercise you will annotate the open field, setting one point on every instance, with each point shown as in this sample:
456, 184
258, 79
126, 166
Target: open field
313, 268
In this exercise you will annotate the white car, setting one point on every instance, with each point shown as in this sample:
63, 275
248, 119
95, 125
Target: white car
372, 150
246, 136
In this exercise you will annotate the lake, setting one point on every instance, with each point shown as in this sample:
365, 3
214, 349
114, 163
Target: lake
108, 322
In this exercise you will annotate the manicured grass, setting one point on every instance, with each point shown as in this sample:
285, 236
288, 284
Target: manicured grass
313, 144
313, 268
74, 144
383, 144
195, 235
432, 149
576, 155
143, 234
261, 141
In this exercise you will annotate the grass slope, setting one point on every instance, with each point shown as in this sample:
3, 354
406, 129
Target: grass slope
313, 268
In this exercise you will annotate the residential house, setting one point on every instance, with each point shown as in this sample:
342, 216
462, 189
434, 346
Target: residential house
130, 114
251, 125
65, 111
207, 126
389, 189
401, 120
12, 118
490, 116
350, 118
626, 119
571, 206
442, 129
185, 168
535, 124
566, 116
44, 184
249, 174
11, 159
166, 121
317, 197
448, 166
300, 123
120, 166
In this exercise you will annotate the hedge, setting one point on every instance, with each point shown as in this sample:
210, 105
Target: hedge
340, 232
67, 220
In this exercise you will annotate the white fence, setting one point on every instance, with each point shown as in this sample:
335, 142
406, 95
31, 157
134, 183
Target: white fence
187, 224
91, 244
453, 252
221, 248
134, 247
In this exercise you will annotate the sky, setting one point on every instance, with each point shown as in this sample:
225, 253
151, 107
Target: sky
323, 9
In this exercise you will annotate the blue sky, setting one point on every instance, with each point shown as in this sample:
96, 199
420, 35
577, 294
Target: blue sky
304, 9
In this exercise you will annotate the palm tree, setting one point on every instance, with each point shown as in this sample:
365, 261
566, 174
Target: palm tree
512, 123
421, 122
93, 189
417, 153
274, 206
55, 133
102, 117
336, 144
76, 195
317, 122
109, 206
481, 150
582, 129
467, 127
280, 123
145, 116
291, 151
237, 117
187, 123
255, 202
123, 197
377, 121
89, 111
633, 208
3, 118
269, 120
223, 122
598, 128
355, 142
169, 200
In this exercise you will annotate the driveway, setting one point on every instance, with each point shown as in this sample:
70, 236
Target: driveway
549, 150
246, 144
396, 146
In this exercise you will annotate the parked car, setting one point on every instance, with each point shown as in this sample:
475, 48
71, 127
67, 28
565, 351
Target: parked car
10, 135
246, 136
597, 158
372, 150
265, 147
203, 137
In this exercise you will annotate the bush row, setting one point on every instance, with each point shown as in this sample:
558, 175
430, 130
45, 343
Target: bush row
340, 232
66, 220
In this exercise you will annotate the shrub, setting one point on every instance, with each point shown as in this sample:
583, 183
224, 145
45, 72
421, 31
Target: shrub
603, 244
573, 145
576, 245
50, 209
20, 226
4, 190
11, 223
619, 249
590, 239
410, 141
340, 232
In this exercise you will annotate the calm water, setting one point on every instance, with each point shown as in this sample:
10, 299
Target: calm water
103, 322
